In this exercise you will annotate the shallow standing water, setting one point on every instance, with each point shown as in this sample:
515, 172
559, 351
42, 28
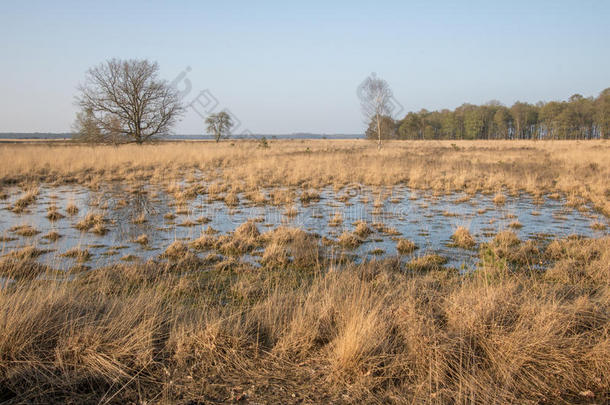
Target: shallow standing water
427, 219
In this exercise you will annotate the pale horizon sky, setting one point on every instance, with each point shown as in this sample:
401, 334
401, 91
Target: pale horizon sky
281, 67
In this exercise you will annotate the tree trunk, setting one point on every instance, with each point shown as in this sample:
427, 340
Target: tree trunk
378, 132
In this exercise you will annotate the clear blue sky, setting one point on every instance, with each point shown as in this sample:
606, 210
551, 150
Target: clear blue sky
285, 67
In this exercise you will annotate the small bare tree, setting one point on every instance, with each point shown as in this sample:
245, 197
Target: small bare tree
375, 99
86, 128
125, 101
219, 125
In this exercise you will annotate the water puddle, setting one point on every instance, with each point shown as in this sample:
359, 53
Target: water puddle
428, 220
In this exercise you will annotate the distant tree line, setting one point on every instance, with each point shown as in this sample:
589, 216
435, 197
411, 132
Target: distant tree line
576, 118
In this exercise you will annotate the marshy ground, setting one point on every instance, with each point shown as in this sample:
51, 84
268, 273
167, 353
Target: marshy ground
305, 271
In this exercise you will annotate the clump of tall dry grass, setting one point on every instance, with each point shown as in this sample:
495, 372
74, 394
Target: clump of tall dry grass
499, 199
52, 236
82, 255
369, 333
27, 199
231, 200
140, 219
176, 250
577, 260
308, 196
244, 239
275, 254
291, 211
426, 263
26, 253
72, 209
53, 213
293, 245
205, 242
93, 222
21, 264
516, 225
336, 220
463, 238
256, 197
349, 240
24, 230
362, 229
142, 239
598, 226
405, 246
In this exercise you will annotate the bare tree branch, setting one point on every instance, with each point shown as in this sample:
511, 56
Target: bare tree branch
125, 101
375, 99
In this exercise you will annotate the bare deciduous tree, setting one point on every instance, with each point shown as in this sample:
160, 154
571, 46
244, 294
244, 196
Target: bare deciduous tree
86, 128
219, 125
375, 98
125, 101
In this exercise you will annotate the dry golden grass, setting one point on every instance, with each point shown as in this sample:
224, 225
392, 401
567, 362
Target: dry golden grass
308, 196
499, 199
140, 219
92, 222
27, 199
369, 333
349, 240
142, 239
576, 169
24, 230
516, 225
82, 255
53, 213
425, 263
530, 324
176, 250
72, 209
20, 265
336, 220
598, 226
405, 246
52, 236
26, 253
463, 238
291, 211
362, 229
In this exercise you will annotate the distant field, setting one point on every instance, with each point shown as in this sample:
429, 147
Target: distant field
301, 271
579, 169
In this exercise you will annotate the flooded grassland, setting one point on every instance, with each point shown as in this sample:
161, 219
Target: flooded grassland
461, 271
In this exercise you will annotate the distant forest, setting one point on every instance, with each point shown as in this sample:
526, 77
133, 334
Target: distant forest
576, 118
